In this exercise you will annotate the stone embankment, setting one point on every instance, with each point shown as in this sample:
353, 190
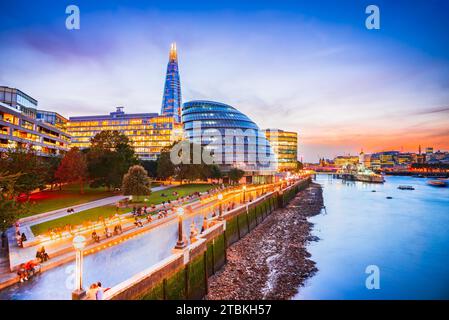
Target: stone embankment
272, 261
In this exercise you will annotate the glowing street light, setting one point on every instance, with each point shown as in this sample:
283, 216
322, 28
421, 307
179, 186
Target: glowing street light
79, 242
180, 244
220, 214
244, 194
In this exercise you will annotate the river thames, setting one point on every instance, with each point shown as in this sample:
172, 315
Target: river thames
406, 237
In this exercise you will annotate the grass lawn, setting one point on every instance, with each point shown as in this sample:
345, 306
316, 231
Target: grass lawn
183, 190
109, 210
69, 196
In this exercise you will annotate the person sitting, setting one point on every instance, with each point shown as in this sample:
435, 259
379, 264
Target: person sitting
22, 273
138, 223
193, 231
149, 218
160, 215
107, 233
31, 268
95, 236
117, 229
23, 237
42, 255
19, 241
145, 210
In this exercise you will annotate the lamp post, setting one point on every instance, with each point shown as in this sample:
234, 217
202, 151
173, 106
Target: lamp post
244, 194
220, 214
180, 244
79, 243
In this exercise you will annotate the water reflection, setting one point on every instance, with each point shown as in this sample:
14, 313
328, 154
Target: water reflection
407, 236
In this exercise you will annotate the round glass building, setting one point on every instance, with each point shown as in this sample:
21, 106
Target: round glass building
232, 139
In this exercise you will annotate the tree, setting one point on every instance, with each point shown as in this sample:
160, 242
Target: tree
299, 165
165, 167
215, 172
23, 160
136, 182
150, 166
73, 168
10, 208
235, 175
51, 164
189, 170
109, 158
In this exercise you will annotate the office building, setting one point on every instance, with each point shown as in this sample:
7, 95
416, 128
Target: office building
148, 133
285, 147
22, 124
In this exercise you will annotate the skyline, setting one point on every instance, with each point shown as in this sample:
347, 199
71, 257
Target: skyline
342, 87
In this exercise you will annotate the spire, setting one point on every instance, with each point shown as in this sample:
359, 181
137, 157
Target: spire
173, 54
171, 100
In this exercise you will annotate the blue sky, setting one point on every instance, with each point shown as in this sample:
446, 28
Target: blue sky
307, 66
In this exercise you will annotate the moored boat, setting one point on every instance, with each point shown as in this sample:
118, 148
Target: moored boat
437, 183
406, 188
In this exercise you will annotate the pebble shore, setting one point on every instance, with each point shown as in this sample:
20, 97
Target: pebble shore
271, 262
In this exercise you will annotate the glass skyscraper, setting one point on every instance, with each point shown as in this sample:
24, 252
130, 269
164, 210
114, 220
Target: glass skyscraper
171, 101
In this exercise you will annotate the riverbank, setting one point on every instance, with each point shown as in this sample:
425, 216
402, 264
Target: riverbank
271, 262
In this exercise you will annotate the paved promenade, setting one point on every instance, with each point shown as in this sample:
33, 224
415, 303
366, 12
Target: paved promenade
55, 214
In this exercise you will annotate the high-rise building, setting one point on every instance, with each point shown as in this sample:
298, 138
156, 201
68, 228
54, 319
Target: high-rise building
148, 133
22, 124
171, 101
231, 137
285, 147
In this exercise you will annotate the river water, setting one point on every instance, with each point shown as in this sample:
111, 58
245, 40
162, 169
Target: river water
406, 237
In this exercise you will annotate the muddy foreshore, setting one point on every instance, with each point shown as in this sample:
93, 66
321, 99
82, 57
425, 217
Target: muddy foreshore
271, 262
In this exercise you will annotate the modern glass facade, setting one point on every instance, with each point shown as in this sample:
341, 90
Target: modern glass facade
21, 124
233, 138
285, 146
148, 133
171, 101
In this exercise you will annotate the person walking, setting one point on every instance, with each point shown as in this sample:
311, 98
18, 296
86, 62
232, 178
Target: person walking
92, 292
100, 291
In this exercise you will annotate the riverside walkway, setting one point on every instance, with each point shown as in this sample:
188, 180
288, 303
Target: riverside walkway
118, 259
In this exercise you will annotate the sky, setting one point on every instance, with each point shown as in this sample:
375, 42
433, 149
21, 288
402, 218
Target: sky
305, 66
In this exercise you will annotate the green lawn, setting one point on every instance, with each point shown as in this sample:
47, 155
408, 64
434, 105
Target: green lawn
69, 196
109, 210
183, 190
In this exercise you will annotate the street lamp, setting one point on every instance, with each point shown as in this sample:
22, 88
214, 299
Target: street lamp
79, 242
244, 194
180, 244
220, 214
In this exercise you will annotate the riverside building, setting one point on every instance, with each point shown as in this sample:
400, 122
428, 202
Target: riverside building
148, 133
285, 147
233, 138
22, 124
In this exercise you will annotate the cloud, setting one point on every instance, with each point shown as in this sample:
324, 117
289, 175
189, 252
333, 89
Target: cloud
338, 88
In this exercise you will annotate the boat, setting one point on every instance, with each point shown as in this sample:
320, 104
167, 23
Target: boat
406, 188
437, 183
369, 177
